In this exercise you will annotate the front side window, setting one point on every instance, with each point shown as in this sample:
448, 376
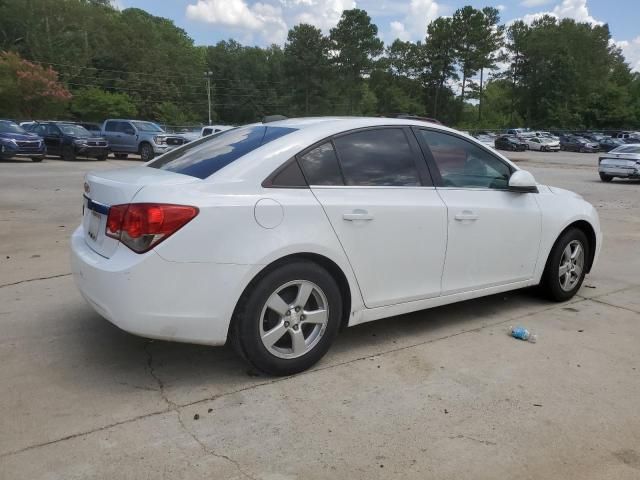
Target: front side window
209, 154
465, 165
147, 127
377, 157
111, 126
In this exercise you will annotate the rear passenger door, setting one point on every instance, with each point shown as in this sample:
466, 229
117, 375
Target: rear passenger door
377, 193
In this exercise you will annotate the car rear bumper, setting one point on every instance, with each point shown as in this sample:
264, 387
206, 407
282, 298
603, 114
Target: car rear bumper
621, 172
155, 298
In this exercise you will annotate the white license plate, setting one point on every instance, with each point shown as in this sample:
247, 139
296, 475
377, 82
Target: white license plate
95, 220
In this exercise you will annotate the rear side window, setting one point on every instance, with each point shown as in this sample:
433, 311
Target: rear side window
378, 157
207, 155
320, 166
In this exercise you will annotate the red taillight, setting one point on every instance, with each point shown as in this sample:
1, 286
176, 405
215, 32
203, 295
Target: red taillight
141, 226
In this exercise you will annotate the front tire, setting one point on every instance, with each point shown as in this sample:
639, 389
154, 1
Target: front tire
146, 152
68, 154
566, 266
287, 321
605, 178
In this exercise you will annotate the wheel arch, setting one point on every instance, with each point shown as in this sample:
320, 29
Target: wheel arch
589, 232
325, 262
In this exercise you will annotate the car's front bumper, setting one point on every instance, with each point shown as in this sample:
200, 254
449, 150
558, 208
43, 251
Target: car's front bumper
10, 151
155, 298
92, 151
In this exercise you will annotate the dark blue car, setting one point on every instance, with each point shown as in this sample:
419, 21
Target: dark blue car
15, 141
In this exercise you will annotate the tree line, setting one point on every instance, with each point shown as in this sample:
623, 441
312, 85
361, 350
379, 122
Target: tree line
84, 59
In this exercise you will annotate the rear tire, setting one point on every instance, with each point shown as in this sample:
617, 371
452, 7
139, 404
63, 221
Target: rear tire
605, 178
275, 331
566, 266
102, 158
68, 154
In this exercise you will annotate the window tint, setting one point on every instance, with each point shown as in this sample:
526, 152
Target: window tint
111, 127
463, 164
207, 155
289, 177
52, 130
380, 157
321, 166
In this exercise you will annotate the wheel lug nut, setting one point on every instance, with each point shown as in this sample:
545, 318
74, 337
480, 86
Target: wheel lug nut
297, 309
302, 317
286, 324
295, 327
288, 313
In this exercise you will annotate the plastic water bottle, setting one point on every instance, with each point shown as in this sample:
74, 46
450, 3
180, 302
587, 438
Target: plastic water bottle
522, 333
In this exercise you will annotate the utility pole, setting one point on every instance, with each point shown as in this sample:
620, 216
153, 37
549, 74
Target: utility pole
208, 77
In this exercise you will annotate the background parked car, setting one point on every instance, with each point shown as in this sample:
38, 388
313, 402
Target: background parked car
135, 136
94, 129
607, 144
69, 141
570, 143
508, 142
15, 141
622, 162
487, 140
204, 131
543, 144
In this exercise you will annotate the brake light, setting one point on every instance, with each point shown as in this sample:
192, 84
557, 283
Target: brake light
142, 226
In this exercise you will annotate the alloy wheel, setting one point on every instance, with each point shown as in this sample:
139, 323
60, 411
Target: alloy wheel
294, 319
571, 265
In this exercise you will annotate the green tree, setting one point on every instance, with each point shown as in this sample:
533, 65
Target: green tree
355, 42
306, 64
95, 104
491, 39
467, 28
438, 58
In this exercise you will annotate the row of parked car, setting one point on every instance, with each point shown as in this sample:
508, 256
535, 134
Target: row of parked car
70, 140
584, 142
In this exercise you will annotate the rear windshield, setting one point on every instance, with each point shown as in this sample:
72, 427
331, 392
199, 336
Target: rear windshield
207, 155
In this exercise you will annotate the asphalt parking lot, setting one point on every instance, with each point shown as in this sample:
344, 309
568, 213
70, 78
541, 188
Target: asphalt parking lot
444, 393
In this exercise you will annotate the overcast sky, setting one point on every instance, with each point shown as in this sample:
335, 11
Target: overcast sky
264, 22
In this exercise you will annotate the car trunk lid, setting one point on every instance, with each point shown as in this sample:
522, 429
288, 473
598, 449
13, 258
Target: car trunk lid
117, 187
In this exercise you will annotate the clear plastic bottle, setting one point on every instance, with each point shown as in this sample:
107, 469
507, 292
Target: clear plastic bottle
522, 333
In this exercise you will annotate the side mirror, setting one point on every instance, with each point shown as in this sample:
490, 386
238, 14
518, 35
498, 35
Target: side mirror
523, 182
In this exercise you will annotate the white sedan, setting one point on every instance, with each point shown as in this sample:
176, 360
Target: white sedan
543, 144
621, 162
274, 236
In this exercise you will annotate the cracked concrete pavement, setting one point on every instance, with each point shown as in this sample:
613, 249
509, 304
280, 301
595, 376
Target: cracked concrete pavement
443, 393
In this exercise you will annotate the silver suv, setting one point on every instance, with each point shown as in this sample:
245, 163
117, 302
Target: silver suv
135, 136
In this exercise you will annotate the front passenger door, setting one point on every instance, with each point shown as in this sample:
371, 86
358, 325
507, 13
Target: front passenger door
493, 233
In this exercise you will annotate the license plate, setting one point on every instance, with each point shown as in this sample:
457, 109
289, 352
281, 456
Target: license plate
95, 220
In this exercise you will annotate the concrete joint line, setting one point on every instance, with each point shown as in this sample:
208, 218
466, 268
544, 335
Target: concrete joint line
35, 279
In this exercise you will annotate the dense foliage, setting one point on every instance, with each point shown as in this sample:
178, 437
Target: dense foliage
469, 71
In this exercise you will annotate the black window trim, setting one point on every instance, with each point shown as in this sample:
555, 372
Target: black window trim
433, 168
424, 174
268, 182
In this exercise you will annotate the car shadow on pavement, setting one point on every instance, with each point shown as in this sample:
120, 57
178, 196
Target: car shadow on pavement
187, 373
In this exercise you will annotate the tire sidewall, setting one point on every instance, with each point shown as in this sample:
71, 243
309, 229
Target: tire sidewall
247, 320
149, 149
551, 278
